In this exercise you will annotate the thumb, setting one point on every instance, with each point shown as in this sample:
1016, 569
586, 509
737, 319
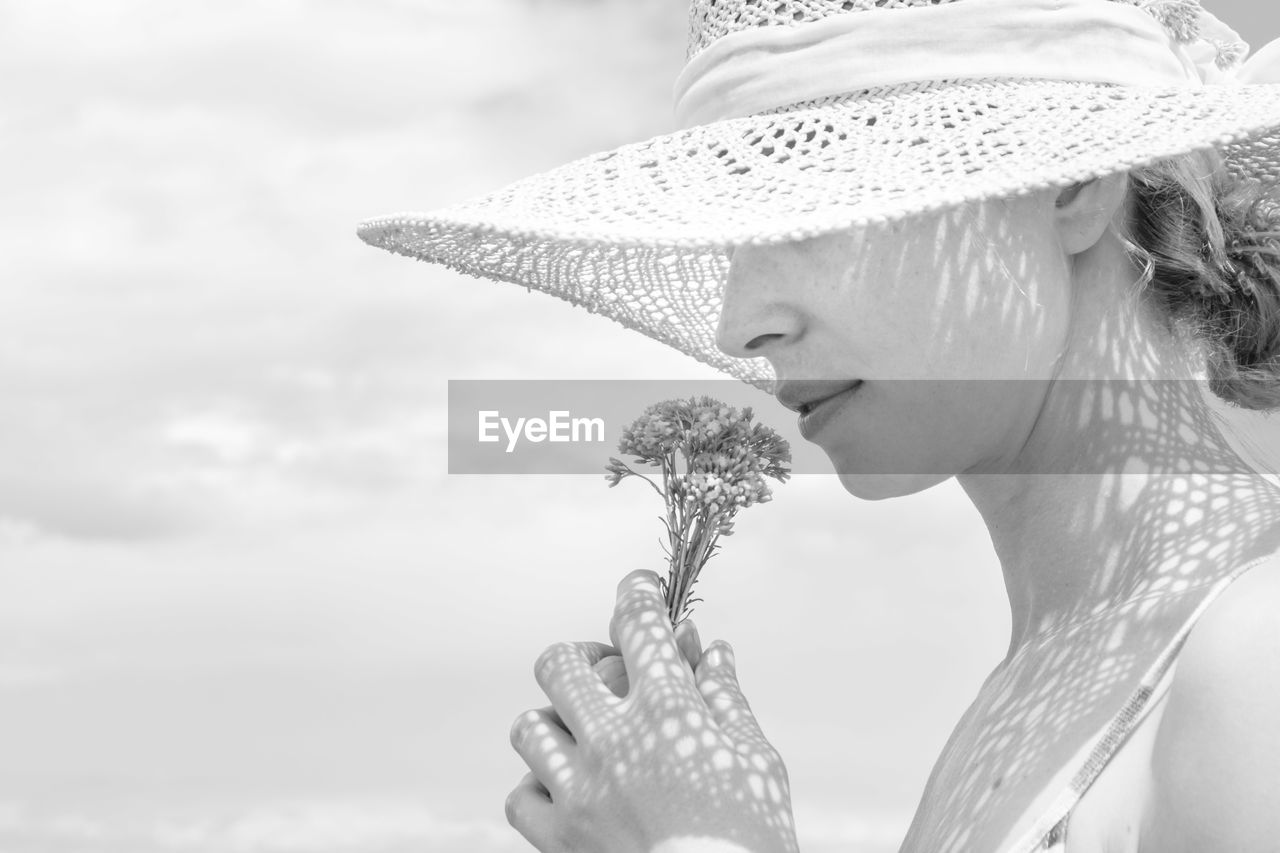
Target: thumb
613, 672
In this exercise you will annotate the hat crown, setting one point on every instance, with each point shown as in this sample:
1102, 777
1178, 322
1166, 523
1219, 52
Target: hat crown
710, 20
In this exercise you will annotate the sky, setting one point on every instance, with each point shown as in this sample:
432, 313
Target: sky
243, 606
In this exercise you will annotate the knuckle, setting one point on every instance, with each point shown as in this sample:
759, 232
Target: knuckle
594, 652
635, 611
638, 579
725, 691
521, 727
551, 656
632, 602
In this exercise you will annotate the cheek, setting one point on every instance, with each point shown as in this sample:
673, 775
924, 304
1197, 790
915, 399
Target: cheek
1034, 330
919, 432
952, 302
1017, 315
945, 313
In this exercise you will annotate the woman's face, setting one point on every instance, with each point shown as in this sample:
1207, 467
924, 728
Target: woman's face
922, 311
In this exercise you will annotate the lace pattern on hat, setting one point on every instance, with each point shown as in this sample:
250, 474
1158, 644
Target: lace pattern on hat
713, 19
710, 20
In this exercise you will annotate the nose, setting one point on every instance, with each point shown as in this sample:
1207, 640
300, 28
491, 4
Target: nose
758, 314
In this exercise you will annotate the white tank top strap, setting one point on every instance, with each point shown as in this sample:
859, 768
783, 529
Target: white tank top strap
1049, 833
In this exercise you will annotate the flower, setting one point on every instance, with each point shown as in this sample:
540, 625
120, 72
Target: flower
713, 462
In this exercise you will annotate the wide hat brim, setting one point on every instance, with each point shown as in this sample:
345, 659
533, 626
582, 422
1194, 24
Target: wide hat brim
639, 234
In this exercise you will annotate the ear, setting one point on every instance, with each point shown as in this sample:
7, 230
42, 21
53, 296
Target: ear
1082, 212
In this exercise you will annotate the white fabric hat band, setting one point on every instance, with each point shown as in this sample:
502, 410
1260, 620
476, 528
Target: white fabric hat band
1087, 41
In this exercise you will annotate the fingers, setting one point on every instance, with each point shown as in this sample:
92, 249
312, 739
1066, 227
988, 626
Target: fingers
529, 812
717, 680
613, 671
596, 652
546, 747
689, 642
641, 629
566, 673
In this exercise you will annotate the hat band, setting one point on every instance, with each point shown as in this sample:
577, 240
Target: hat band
1087, 41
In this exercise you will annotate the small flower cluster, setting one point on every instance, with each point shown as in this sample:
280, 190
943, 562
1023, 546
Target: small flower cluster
713, 462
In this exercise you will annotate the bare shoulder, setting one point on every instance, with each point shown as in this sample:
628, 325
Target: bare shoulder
1214, 784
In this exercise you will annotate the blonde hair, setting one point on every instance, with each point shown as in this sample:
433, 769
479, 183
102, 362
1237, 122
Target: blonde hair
1208, 243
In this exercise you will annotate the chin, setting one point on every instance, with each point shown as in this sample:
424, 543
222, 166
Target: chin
878, 487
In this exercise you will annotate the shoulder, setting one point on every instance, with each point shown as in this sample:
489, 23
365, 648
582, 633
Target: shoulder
1214, 784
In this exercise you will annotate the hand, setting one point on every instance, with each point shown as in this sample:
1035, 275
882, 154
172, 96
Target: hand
671, 760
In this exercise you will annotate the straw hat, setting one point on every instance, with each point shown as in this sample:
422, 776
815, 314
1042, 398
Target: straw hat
804, 117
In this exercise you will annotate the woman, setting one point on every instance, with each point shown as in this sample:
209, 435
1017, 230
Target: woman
991, 239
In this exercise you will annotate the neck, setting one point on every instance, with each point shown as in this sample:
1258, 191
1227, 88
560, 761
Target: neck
1125, 487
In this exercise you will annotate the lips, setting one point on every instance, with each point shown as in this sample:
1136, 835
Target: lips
818, 402
802, 395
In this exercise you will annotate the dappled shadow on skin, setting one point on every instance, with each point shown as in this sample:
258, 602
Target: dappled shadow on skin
1150, 515
950, 318
1167, 541
651, 750
1028, 735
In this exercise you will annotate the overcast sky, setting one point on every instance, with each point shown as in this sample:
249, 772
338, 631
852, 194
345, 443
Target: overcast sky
243, 607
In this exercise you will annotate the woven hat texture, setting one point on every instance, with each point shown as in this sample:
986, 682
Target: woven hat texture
639, 234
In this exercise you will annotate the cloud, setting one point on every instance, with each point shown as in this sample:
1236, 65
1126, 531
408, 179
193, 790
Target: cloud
368, 826
180, 254
826, 830
387, 825
347, 827
222, 489
23, 676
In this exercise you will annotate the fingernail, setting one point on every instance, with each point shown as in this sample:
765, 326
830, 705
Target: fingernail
721, 654
608, 665
614, 674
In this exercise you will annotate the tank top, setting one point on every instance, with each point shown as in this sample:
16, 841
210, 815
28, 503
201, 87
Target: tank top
1122, 725
1152, 688
1050, 719
1055, 840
